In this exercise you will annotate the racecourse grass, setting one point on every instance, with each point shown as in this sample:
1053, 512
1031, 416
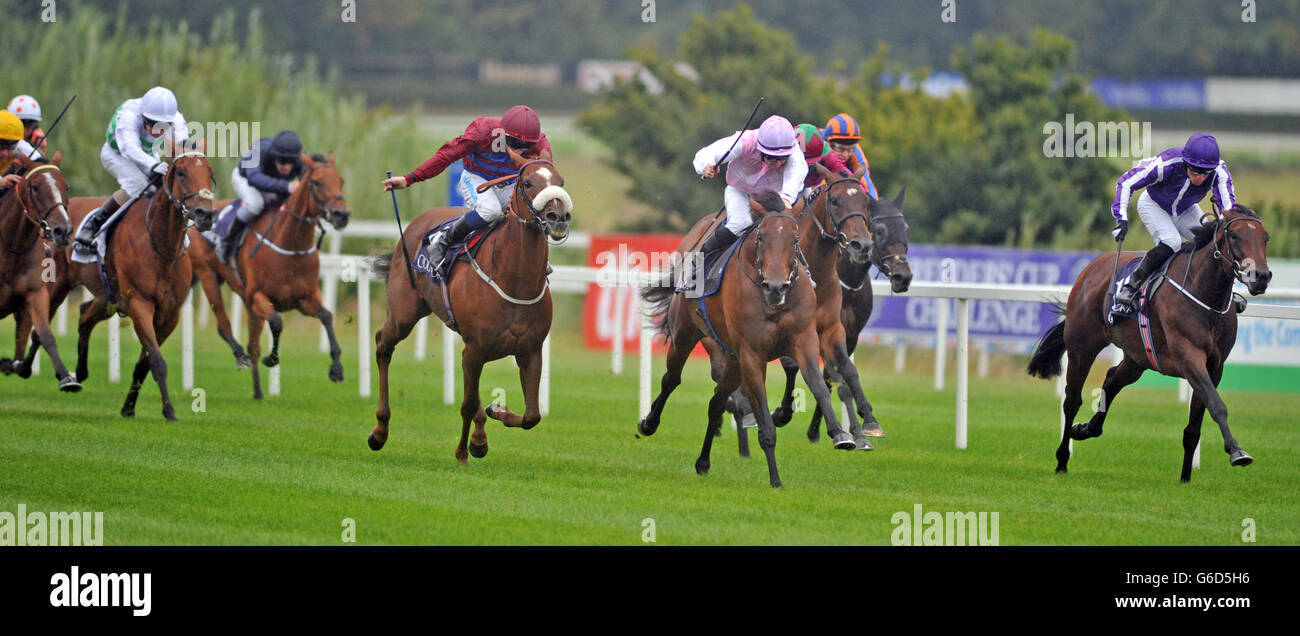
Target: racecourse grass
289, 470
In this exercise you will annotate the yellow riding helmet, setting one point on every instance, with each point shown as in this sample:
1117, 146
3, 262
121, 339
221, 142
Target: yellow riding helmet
11, 128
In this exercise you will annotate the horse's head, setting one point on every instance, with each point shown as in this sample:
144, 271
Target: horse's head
1241, 241
325, 187
776, 248
44, 197
188, 185
845, 218
889, 253
547, 207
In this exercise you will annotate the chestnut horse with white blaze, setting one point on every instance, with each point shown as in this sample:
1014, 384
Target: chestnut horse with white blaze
500, 301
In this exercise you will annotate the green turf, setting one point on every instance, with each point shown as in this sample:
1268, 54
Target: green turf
291, 469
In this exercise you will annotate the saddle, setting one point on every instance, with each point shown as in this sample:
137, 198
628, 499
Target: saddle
220, 232
1116, 313
456, 252
714, 265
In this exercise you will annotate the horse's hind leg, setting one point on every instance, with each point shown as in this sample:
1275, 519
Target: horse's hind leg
806, 353
1076, 373
92, 313
785, 412
19, 364
728, 379
38, 314
471, 407
530, 378
311, 306
1117, 377
685, 336
402, 316
277, 325
837, 362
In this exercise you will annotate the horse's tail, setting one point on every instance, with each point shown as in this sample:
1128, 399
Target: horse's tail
657, 295
1046, 361
381, 264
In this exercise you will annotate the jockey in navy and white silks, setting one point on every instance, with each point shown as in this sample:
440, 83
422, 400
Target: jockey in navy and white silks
263, 179
130, 151
1175, 180
758, 161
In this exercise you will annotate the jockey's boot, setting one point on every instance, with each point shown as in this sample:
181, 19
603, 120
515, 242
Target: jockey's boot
1154, 258
720, 239
454, 234
230, 241
86, 237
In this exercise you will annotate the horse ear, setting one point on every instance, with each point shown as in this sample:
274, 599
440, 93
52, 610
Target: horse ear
306, 160
516, 157
330, 159
898, 200
58, 157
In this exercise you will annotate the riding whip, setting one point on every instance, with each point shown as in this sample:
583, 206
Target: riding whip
742, 131
45, 135
401, 236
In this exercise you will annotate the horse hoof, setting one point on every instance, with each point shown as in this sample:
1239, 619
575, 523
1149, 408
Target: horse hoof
477, 451
1241, 458
128, 411
844, 441
6, 366
701, 468
374, 443
872, 429
22, 370
1079, 431
82, 375
271, 360
1060, 470
336, 374
69, 384
861, 443
781, 416
814, 436
243, 362
776, 483
643, 429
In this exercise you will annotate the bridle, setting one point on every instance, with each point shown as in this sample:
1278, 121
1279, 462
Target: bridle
27, 203
841, 239
188, 213
320, 201
758, 253
535, 221
1225, 254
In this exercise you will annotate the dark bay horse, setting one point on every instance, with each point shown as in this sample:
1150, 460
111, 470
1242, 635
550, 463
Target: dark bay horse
1192, 330
832, 225
282, 274
35, 209
889, 230
147, 267
764, 310
501, 301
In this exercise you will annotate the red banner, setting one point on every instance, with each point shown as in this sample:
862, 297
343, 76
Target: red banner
614, 253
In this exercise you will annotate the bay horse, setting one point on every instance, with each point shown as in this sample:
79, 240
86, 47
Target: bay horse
832, 225
147, 268
28, 215
284, 273
1193, 326
763, 310
500, 301
889, 230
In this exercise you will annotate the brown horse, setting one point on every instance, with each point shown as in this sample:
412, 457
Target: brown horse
501, 302
283, 273
34, 209
763, 310
832, 224
889, 230
147, 268
1193, 326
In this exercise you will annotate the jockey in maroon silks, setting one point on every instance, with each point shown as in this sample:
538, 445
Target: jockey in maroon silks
482, 149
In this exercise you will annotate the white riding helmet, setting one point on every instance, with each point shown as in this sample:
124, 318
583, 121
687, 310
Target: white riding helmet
159, 104
25, 107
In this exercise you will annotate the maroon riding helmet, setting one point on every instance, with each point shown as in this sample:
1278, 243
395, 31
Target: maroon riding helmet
520, 122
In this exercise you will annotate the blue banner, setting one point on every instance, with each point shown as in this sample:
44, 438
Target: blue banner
1151, 94
1014, 323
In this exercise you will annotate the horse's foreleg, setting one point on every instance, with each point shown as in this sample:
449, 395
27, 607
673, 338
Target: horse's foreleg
277, 325
836, 359
852, 385
19, 364
143, 314
259, 309
471, 407
783, 413
1205, 387
753, 372
38, 311
312, 306
805, 350
401, 318
211, 284
728, 380
138, 375
92, 312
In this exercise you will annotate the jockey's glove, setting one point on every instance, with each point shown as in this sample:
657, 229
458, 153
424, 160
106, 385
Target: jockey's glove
1120, 231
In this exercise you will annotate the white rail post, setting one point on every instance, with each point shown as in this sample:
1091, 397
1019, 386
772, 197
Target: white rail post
61, 319
1060, 392
1184, 391
330, 288
940, 341
422, 338
1196, 454
544, 386
963, 367
187, 341
236, 315
36, 361
272, 374
363, 330
448, 365
616, 334
900, 356
114, 348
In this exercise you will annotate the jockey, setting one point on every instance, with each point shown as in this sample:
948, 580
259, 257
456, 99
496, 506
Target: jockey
27, 110
130, 152
823, 165
1175, 180
843, 133
12, 145
758, 161
482, 150
264, 178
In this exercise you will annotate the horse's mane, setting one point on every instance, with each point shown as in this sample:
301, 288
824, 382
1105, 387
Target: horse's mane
770, 200
1202, 236
319, 158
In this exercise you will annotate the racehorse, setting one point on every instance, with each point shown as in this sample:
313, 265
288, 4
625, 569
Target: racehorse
27, 215
283, 273
832, 223
1193, 326
499, 302
146, 268
763, 310
889, 255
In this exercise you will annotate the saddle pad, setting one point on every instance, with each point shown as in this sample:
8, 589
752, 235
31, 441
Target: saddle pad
470, 245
